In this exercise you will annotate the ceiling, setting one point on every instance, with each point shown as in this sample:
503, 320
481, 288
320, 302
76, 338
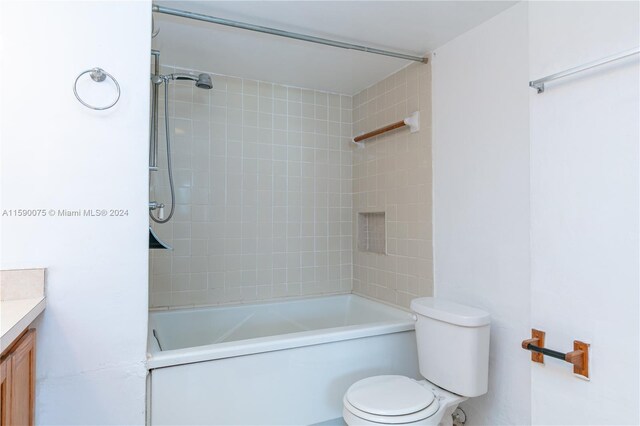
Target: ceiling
411, 27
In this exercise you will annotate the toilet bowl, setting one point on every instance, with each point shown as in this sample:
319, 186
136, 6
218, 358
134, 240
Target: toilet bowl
453, 356
390, 400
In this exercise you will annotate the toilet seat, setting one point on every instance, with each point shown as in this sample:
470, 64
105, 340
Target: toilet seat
390, 400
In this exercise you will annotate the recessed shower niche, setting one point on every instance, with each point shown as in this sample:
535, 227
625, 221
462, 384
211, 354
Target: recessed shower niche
372, 233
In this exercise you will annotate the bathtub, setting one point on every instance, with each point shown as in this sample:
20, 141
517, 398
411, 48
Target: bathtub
279, 363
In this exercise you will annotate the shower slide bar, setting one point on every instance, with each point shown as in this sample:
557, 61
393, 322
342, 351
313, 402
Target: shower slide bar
153, 151
539, 84
579, 357
282, 33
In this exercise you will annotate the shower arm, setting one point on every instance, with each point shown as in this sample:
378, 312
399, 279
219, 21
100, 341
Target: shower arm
183, 76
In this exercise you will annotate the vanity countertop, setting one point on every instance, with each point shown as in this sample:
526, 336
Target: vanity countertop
21, 301
16, 316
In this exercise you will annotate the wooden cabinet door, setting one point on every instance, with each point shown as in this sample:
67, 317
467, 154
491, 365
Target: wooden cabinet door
5, 394
22, 383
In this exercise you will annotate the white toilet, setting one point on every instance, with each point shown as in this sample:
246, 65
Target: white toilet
453, 355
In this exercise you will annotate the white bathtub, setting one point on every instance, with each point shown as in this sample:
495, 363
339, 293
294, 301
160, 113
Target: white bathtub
273, 363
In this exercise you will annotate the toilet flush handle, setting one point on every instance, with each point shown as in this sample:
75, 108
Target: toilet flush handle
414, 317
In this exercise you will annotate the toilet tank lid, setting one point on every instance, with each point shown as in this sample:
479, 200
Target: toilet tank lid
451, 312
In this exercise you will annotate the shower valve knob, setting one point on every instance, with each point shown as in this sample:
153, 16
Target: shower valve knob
161, 212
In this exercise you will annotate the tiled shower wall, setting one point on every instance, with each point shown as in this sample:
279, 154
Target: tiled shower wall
263, 177
392, 174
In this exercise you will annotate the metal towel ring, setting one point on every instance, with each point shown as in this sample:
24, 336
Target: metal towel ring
98, 75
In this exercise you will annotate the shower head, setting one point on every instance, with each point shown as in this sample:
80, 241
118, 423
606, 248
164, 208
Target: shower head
203, 81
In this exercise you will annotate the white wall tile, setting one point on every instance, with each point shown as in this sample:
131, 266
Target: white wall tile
256, 178
392, 174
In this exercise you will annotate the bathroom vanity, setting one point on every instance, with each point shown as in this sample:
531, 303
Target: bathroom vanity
17, 381
21, 301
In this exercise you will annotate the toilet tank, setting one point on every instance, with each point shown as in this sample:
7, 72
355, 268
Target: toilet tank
453, 345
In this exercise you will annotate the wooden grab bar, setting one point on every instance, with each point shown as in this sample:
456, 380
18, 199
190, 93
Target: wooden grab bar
380, 131
413, 121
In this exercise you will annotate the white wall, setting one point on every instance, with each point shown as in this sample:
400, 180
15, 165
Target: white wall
572, 153
584, 210
481, 197
57, 154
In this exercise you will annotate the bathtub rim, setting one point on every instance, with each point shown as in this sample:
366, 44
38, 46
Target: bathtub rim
166, 309
175, 357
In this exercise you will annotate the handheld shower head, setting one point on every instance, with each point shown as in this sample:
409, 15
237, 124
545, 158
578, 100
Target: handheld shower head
203, 81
